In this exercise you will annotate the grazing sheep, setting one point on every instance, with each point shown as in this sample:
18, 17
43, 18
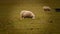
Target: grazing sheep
26, 14
46, 8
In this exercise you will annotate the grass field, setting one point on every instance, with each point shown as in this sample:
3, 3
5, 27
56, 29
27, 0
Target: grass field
46, 22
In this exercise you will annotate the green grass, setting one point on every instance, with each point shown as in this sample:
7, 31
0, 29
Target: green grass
10, 22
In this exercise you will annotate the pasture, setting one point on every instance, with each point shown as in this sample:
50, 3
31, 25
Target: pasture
46, 22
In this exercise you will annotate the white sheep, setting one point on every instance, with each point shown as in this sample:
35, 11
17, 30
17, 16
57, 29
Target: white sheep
46, 8
26, 14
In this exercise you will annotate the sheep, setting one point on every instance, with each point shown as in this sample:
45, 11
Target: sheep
26, 14
46, 8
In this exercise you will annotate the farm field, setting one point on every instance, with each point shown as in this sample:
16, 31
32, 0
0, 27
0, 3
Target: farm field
46, 22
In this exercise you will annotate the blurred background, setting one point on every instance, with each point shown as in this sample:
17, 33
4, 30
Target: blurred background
46, 22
